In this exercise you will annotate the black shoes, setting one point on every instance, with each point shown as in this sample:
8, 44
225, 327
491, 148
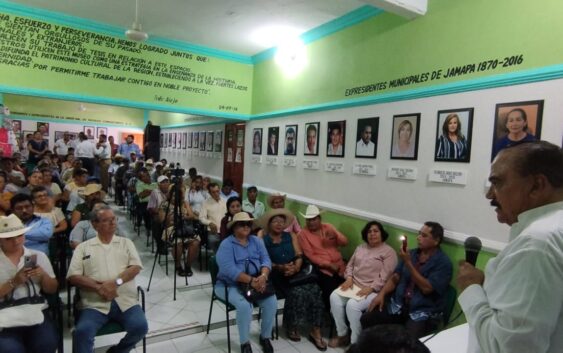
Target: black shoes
266, 345
245, 348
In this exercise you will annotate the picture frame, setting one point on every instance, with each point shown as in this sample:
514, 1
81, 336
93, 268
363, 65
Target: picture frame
202, 140
184, 140
290, 140
218, 141
60, 134
195, 140
170, 145
516, 119
89, 132
43, 127
209, 141
189, 143
240, 137
161, 140
405, 127
453, 135
17, 127
336, 139
101, 131
311, 144
273, 141
367, 135
165, 140
257, 141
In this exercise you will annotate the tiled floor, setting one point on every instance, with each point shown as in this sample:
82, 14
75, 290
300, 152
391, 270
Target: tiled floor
179, 325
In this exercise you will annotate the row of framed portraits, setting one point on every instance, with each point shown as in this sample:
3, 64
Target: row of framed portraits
44, 129
211, 141
514, 122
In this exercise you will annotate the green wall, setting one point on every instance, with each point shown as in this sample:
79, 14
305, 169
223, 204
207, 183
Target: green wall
384, 48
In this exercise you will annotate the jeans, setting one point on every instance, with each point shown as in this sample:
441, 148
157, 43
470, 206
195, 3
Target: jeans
342, 307
244, 309
133, 321
40, 338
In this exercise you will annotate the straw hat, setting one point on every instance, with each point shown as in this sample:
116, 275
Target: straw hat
240, 217
311, 212
273, 196
11, 226
264, 221
90, 189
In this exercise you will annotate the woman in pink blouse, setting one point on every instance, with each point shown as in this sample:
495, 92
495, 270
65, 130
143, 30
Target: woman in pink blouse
366, 273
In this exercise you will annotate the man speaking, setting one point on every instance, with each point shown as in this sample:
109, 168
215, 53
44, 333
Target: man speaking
516, 305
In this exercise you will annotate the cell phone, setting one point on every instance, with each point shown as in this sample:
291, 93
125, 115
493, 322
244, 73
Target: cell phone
404, 240
30, 261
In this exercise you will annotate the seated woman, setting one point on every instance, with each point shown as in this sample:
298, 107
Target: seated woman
303, 304
415, 294
16, 275
234, 206
44, 206
366, 273
187, 241
236, 253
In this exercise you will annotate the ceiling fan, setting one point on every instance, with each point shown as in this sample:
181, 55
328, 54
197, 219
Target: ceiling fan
135, 33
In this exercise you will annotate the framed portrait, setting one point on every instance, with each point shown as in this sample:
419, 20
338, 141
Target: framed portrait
218, 141
290, 144
311, 139
170, 139
195, 142
161, 140
209, 141
515, 123
43, 127
17, 127
189, 142
240, 137
336, 138
89, 132
184, 140
202, 140
404, 141
60, 134
257, 141
453, 135
165, 140
366, 137
101, 131
273, 141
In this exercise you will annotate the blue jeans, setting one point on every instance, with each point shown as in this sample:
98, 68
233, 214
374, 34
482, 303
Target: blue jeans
133, 321
244, 308
30, 339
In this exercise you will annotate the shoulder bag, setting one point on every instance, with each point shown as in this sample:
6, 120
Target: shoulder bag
26, 311
251, 294
307, 273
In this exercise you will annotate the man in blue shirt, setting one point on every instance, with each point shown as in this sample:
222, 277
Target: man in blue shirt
37, 238
129, 146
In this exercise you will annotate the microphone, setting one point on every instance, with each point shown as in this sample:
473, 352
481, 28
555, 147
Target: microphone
472, 248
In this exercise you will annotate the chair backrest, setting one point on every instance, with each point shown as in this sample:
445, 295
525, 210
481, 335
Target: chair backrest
213, 269
451, 296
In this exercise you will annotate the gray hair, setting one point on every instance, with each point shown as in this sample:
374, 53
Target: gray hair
95, 213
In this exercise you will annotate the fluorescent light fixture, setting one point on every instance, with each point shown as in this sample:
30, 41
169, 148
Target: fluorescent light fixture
291, 56
272, 36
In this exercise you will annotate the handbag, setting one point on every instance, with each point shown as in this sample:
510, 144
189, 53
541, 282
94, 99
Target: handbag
252, 294
307, 274
26, 311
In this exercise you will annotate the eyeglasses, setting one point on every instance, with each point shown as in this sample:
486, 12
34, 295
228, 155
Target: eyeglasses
277, 221
245, 224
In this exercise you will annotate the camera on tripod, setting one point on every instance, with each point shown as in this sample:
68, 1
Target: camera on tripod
177, 172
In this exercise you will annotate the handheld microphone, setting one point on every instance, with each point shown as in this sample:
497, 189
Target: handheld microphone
472, 248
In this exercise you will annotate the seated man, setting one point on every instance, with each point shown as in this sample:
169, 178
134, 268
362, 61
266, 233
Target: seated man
211, 213
251, 205
415, 295
36, 238
104, 268
227, 190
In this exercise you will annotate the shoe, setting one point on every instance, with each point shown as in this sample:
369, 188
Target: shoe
181, 272
189, 271
339, 341
293, 335
266, 345
245, 348
319, 343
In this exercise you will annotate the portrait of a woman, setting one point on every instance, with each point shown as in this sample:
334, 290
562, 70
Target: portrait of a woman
516, 130
405, 138
257, 141
452, 144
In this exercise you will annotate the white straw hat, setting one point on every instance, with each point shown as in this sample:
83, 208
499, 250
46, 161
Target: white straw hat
11, 226
311, 212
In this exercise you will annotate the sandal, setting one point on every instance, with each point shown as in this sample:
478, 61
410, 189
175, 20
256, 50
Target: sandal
318, 342
294, 336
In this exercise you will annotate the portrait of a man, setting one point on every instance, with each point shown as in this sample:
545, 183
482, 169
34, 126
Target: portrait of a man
311, 139
336, 138
366, 137
89, 131
273, 139
290, 140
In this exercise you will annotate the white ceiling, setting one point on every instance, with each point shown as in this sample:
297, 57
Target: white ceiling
226, 25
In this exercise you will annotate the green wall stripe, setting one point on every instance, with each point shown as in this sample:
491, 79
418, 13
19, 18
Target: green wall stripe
326, 29
192, 125
93, 26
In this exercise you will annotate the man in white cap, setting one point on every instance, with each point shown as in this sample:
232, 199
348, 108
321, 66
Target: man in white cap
320, 242
104, 268
21, 267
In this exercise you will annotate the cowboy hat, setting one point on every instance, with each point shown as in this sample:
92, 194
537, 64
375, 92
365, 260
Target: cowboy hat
264, 221
311, 212
11, 226
240, 217
273, 196
90, 189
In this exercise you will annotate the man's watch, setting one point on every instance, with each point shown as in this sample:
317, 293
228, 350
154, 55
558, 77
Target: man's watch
119, 281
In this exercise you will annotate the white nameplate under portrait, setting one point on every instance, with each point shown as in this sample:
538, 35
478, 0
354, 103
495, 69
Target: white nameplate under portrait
334, 167
289, 162
272, 160
256, 159
405, 173
363, 169
311, 164
458, 177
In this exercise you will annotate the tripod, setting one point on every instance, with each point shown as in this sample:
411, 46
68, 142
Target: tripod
178, 230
